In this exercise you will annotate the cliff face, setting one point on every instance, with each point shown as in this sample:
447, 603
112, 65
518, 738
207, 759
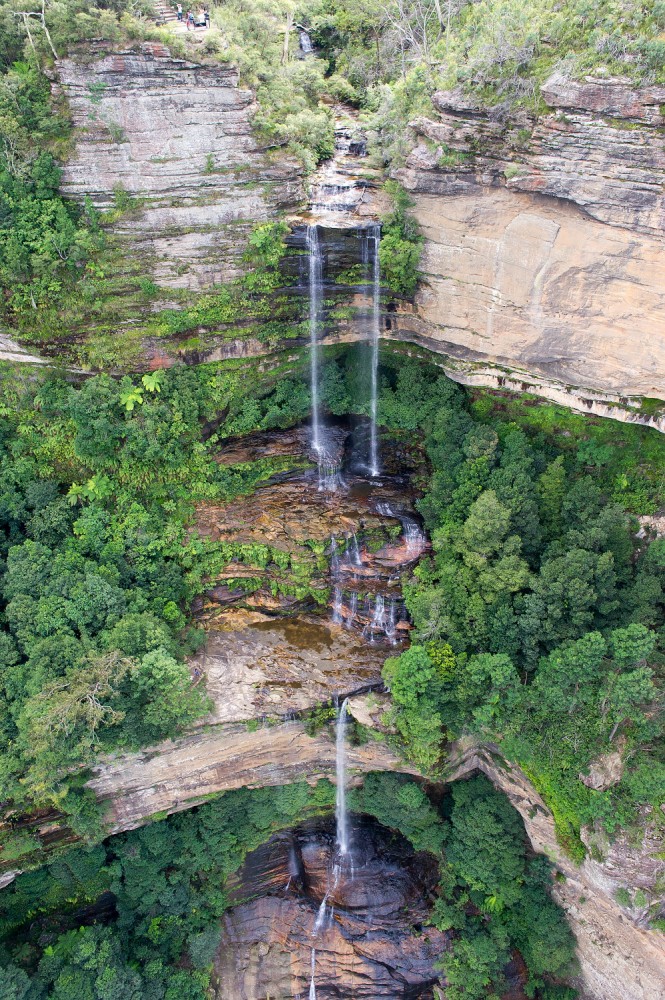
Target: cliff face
619, 958
543, 266
176, 137
544, 246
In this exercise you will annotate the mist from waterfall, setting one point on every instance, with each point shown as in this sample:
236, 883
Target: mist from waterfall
315, 295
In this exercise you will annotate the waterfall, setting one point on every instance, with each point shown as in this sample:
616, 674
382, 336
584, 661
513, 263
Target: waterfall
340, 771
375, 236
378, 622
352, 556
353, 608
337, 605
315, 290
312, 984
414, 536
391, 624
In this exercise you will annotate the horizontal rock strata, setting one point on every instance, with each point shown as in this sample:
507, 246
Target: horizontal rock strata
176, 137
569, 287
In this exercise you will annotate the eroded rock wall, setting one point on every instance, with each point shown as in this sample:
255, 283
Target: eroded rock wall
544, 239
177, 137
619, 958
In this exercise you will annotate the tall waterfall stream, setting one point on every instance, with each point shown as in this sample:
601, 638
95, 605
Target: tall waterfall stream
342, 883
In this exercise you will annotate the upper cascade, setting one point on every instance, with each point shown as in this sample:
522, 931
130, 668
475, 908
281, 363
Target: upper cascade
339, 189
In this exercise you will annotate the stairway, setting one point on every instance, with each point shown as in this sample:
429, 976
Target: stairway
164, 12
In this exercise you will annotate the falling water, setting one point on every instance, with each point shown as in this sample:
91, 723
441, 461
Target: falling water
391, 624
334, 556
414, 536
353, 608
315, 289
340, 770
375, 236
378, 622
352, 555
321, 914
337, 605
312, 984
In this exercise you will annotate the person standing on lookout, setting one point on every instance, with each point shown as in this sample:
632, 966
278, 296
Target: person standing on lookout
190, 20
180, 12
206, 16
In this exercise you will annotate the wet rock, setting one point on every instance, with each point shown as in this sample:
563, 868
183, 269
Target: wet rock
256, 666
366, 943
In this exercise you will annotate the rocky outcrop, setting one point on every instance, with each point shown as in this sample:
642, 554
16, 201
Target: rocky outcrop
171, 142
178, 775
544, 247
363, 944
619, 958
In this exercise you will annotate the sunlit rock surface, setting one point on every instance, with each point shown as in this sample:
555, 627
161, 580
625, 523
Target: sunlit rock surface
568, 287
177, 137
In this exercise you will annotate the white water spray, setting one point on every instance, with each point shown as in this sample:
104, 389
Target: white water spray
378, 622
353, 608
315, 288
374, 467
312, 984
341, 815
338, 605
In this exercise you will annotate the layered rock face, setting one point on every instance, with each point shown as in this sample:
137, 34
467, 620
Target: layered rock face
544, 247
362, 945
175, 136
619, 958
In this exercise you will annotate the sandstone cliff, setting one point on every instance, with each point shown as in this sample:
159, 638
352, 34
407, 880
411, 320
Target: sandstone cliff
543, 266
544, 242
619, 958
176, 137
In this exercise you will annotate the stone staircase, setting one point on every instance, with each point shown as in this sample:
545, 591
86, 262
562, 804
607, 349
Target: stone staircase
164, 12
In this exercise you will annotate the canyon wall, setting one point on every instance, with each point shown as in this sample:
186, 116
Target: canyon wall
544, 240
170, 143
543, 267
619, 958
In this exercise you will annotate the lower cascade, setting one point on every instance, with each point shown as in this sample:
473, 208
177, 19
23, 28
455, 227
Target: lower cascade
341, 816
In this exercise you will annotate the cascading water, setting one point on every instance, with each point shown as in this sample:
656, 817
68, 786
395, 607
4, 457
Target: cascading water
315, 294
375, 238
312, 984
353, 609
391, 623
337, 605
378, 622
341, 815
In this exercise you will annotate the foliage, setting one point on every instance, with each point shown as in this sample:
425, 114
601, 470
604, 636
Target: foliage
496, 898
401, 244
130, 918
538, 614
97, 485
289, 90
